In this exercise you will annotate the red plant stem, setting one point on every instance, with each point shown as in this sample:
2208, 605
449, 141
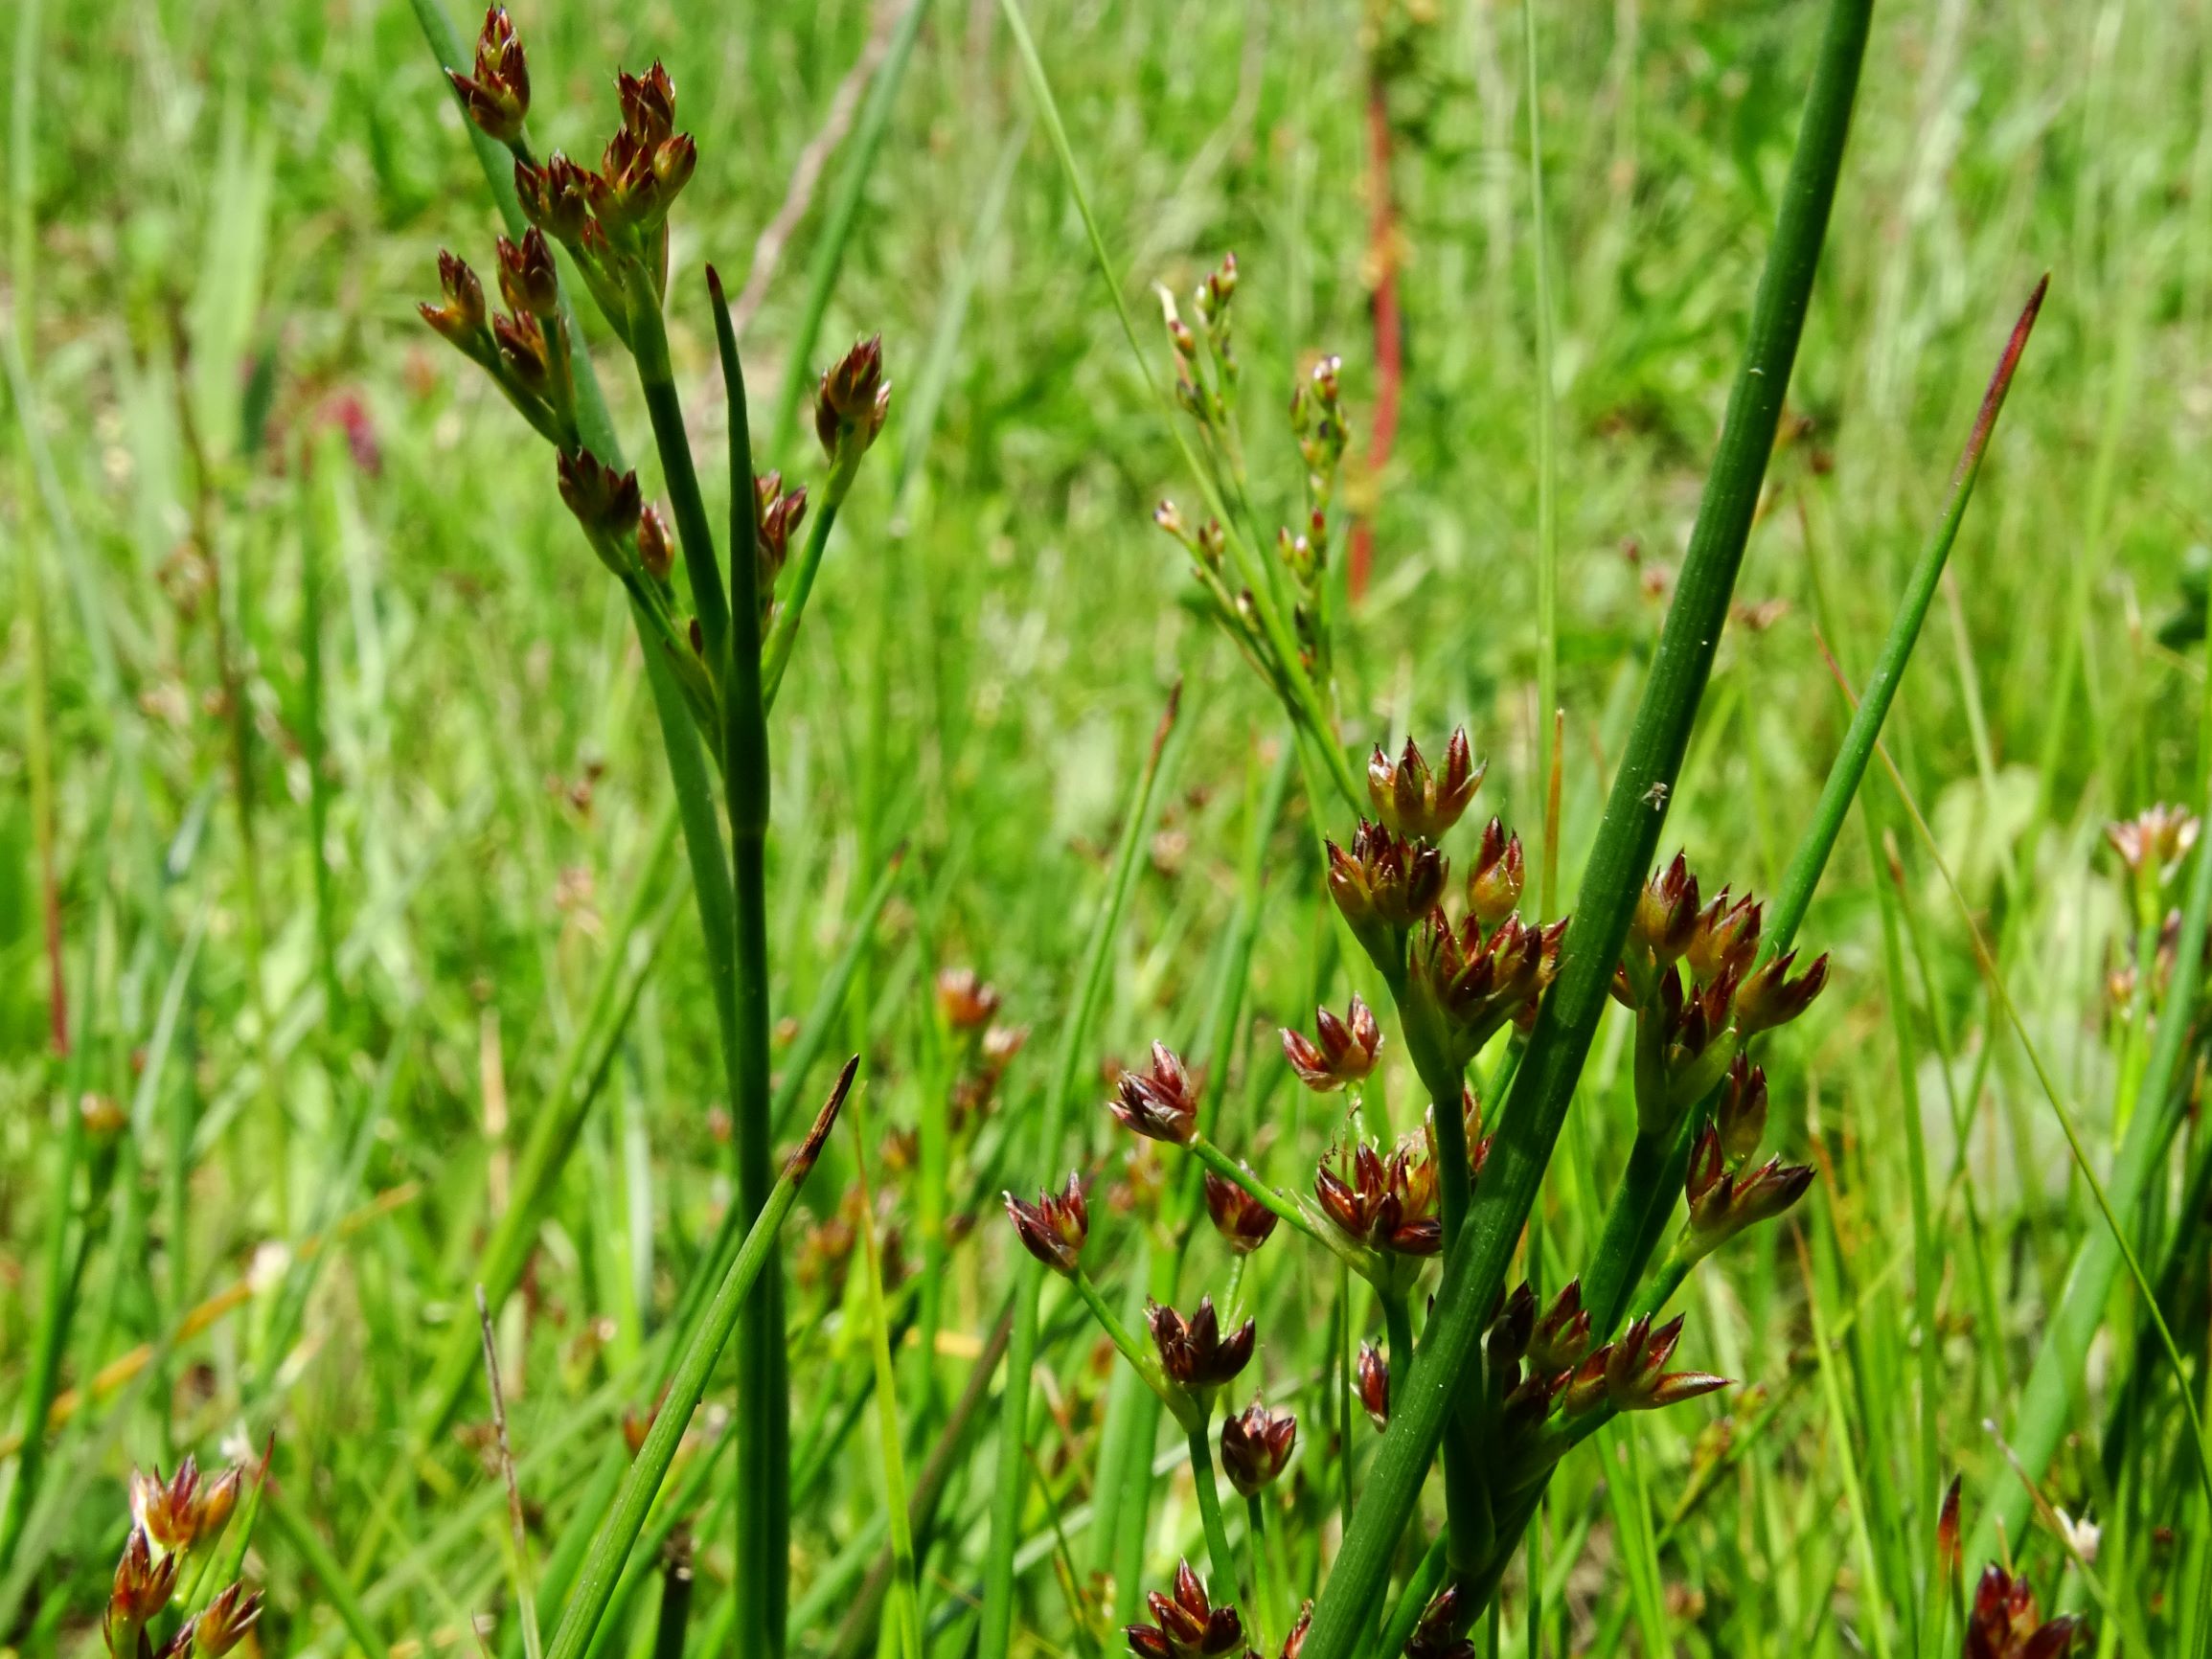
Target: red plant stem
1389, 355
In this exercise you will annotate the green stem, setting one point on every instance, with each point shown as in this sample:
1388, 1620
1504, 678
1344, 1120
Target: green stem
783, 636
905, 1608
1474, 1269
619, 1531
1263, 1581
1547, 536
1203, 1477
657, 378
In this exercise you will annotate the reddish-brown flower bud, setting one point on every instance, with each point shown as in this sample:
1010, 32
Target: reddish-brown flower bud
1631, 1374
1054, 1228
606, 503
1437, 1636
523, 354
1562, 1335
1384, 1203
1345, 1054
656, 546
223, 1624
852, 400
1947, 1544
1294, 1643
526, 279
1723, 1203
1373, 1379
2004, 1621
1417, 802
1768, 998
648, 104
1187, 1624
1193, 1352
552, 197
1162, 1104
1494, 880
966, 1001
141, 1591
1741, 1119
167, 1511
497, 97
1384, 878
461, 318
1725, 939
1666, 916
1256, 1446
1476, 985
1243, 1222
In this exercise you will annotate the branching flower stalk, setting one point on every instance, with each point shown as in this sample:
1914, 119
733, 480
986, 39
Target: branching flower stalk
613, 221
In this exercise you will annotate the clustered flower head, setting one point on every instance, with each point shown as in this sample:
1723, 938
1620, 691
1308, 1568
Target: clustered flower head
169, 1518
1384, 1203
1256, 1445
1345, 1053
1186, 1624
497, 96
849, 406
1161, 1102
1419, 804
2153, 843
1630, 1375
1692, 974
2005, 1623
967, 1003
1723, 1201
1372, 1377
1054, 1228
1194, 1353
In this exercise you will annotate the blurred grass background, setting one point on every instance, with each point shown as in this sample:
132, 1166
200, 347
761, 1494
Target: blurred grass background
222, 404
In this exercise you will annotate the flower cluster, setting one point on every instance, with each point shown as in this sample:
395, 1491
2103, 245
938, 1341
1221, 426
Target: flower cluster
1725, 1194
1345, 1054
170, 1519
2005, 1623
1187, 1624
1699, 993
1054, 1228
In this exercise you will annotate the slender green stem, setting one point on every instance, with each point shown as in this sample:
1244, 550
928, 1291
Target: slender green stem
1284, 1209
906, 1606
1263, 1580
701, 1348
1547, 535
1203, 1478
763, 1432
1851, 761
1139, 1357
783, 636
1413, 1600
1544, 1084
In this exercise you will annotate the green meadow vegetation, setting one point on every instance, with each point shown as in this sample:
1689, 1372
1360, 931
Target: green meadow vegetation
1311, 828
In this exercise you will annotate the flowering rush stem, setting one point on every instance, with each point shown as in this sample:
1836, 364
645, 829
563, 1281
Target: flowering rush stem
1474, 1267
1205, 1479
617, 1534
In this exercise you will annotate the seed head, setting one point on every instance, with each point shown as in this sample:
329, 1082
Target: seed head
1384, 1203
1187, 1624
1193, 1352
1475, 984
852, 400
526, 279
141, 1590
1768, 998
1723, 1202
1419, 804
1562, 1335
554, 198
1243, 1222
223, 1624
1054, 1228
1345, 1054
1666, 917
1384, 881
964, 1000
497, 96
167, 1511
461, 317
1630, 1373
1161, 1104
606, 503
1725, 941
1494, 880
1256, 1445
